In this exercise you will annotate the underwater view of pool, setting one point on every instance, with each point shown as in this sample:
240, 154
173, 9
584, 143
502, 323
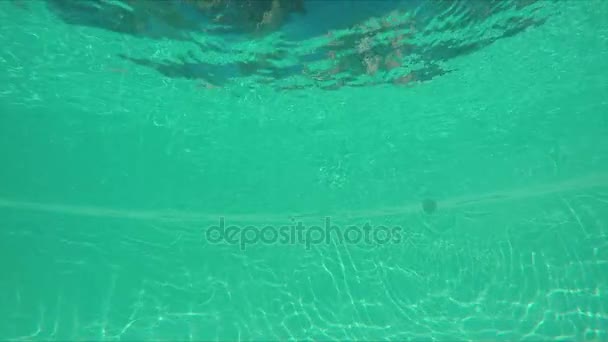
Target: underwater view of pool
274, 170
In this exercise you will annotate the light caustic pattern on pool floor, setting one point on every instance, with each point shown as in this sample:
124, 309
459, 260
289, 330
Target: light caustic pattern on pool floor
507, 255
532, 266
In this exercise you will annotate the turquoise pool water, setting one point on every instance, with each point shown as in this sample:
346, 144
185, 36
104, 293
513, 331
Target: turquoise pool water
123, 149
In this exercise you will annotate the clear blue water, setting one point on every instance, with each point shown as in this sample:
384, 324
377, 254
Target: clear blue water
130, 130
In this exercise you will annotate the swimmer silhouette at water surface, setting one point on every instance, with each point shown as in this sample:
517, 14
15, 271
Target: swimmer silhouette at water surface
325, 44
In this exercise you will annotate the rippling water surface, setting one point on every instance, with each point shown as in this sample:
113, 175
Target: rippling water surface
328, 170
